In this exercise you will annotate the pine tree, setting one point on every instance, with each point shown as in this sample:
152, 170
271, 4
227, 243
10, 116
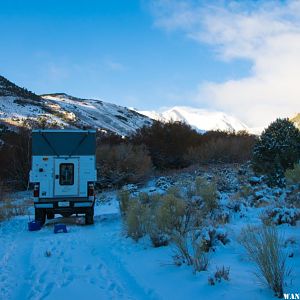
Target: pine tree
277, 150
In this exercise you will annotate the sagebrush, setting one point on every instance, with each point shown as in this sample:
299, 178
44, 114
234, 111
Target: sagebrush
264, 247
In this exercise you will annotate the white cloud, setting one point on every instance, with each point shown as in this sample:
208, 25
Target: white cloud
265, 32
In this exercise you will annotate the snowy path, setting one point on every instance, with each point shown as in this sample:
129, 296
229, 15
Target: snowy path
84, 262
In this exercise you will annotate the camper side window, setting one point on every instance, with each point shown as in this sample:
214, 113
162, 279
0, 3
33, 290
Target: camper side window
66, 174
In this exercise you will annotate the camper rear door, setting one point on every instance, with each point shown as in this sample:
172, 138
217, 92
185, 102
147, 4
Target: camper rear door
66, 180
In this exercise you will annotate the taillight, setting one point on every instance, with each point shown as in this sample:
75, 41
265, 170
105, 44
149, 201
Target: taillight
36, 190
91, 190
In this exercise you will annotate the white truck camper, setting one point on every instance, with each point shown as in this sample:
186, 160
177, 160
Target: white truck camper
63, 173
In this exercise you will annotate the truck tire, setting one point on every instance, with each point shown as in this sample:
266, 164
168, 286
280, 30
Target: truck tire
50, 215
40, 215
89, 216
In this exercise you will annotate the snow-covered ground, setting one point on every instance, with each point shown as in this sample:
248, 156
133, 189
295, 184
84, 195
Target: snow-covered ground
100, 262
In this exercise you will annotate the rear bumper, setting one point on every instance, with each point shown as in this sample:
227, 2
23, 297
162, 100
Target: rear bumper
70, 205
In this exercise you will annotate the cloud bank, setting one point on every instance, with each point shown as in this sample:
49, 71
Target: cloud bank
266, 33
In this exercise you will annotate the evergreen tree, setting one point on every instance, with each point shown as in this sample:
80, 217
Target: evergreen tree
277, 150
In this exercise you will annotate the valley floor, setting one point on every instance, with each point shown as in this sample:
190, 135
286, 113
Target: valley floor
99, 262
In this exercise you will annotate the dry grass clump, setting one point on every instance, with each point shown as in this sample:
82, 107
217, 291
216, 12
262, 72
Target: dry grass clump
292, 176
263, 246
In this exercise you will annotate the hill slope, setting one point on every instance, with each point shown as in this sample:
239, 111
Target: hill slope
18, 104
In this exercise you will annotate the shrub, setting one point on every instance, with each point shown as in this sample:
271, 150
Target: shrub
221, 273
222, 147
170, 213
293, 175
157, 236
123, 163
167, 143
15, 157
124, 198
135, 220
211, 236
188, 250
281, 215
208, 192
277, 150
263, 246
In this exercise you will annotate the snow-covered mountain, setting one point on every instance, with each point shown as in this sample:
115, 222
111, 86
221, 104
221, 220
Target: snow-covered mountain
18, 104
200, 119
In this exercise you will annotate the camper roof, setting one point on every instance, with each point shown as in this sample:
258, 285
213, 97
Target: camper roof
63, 142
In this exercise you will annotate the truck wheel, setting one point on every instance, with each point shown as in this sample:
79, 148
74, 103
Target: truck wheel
89, 217
50, 215
40, 215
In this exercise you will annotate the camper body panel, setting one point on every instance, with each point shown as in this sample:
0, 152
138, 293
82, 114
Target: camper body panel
46, 171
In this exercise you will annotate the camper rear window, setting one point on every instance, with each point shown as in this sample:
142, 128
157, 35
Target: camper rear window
66, 172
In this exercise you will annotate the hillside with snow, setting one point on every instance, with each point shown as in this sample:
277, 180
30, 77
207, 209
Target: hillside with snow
199, 119
17, 104
97, 114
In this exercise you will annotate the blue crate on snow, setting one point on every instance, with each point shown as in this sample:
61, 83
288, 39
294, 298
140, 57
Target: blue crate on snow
34, 225
60, 228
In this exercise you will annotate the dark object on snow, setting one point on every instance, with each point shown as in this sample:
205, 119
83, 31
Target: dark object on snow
60, 228
34, 225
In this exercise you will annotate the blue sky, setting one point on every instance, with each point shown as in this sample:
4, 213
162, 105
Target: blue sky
152, 54
108, 49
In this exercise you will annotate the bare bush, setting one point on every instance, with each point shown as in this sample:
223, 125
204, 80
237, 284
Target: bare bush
263, 246
123, 163
222, 147
167, 143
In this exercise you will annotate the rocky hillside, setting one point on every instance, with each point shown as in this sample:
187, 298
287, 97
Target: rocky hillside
18, 105
96, 113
